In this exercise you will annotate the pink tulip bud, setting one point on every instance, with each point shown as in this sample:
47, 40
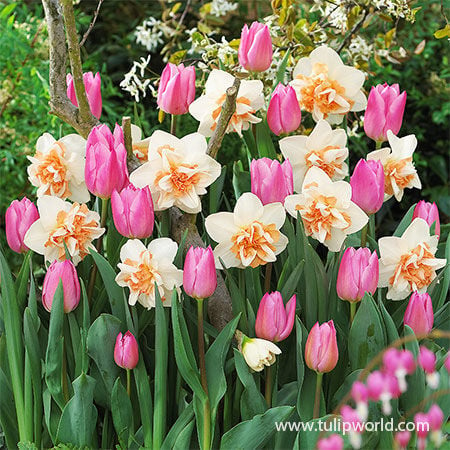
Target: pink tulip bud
399, 363
385, 108
106, 161
321, 350
402, 438
66, 272
176, 89
428, 212
419, 314
271, 181
274, 322
255, 48
19, 217
358, 274
92, 85
199, 274
283, 114
367, 184
133, 212
126, 351
427, 360
332, 442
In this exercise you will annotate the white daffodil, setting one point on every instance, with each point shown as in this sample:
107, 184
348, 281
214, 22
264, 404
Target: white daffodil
327, 88
206, 109
139, 145
257, 352
177, 172
324, 148
399, 170
326, 209
141, 267
250, 235
407, 263
57, 168
62, 223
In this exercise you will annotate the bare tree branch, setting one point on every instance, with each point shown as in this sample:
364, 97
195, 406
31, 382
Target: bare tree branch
91, 25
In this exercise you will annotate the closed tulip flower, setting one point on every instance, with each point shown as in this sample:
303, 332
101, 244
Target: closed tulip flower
321, 350
255, 48
428, 212
92, 85
133, 213
19, 217
271, 181
176, 89
283, 114
126, 351
274, 321
66, 272
358, 274
106, 161
199, 274
419, 314
385, 108
367, 184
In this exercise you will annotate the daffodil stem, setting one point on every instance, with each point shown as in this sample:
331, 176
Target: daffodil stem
129, 382
316, 410
364, 235
352, 312
173, 124
268, 387
267, 277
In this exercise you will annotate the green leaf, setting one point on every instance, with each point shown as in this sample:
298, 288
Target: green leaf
250, 142
444, 285
8, 418
115, 292
254, 433
290, 286
7, 10
345, 387
215, 191
122, 413
281, 72
241, 179
366, 338
145, 401
22, 280
391, 329
308, 436
405, 222
55, 348
264, 141
104, 330
79, 416
299, 360
183, 421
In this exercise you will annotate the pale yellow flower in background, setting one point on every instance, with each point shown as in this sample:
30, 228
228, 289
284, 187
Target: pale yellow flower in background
206, 109
324, 148
57, 167
407, 263
249, 236
258, 352
326, 209
177, 171
399, 170
327, 88
62, 223
141, 267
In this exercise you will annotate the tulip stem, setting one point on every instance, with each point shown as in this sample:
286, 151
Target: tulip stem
65, 387
378, 144
173, 124
129, 382
201, 345
352, 311
364, 235
316, 411
267, 277
268, 387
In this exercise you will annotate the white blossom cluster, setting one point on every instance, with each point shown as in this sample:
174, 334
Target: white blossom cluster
134, 81
395, 8
150, 33
337, 15
359, 49
220, 8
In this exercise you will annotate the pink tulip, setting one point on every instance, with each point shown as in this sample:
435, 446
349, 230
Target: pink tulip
133, 212
274, 321
332, 442
176, 89
419, 314
106, 161
66, 272
92, 85
199, 274
385, 108
271, 181
402, 438
126, 351
428, 212
358, 274
19, 217
367, 184
255, 48
321, 350
283, 114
